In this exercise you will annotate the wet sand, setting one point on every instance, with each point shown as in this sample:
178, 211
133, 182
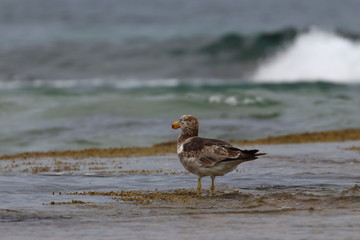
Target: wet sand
297, 191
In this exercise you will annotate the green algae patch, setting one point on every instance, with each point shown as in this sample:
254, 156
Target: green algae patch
72, 202
353, 148
101, 166
307, 137
146, 197
325, 136
170, 147
143, 172
95, 153
232, 199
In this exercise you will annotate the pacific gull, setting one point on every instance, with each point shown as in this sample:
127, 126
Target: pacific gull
207, 157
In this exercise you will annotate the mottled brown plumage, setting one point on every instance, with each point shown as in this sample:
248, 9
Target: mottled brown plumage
207, 157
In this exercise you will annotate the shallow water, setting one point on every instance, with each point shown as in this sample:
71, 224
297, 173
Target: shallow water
295, 192
48, 117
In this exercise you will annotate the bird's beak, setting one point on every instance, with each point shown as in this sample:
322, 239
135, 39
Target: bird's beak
175, 125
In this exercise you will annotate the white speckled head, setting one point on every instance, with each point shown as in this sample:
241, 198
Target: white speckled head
189, 126
189, 122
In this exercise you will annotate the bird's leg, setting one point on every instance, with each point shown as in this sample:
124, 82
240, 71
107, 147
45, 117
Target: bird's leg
199, 187
212, 189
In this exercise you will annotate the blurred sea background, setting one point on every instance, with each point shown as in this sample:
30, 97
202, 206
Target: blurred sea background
88, 73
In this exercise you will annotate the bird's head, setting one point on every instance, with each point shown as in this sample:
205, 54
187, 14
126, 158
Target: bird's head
186, 122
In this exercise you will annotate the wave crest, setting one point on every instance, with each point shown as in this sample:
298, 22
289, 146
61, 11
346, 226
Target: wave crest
314, 55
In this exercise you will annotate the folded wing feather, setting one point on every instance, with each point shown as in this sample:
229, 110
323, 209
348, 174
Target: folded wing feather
212, 151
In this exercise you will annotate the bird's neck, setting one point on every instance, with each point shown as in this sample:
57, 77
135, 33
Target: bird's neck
185, 134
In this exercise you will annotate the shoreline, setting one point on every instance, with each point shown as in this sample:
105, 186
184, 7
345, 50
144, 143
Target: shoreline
170, 147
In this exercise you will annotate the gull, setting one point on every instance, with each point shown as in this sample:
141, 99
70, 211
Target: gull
207, 157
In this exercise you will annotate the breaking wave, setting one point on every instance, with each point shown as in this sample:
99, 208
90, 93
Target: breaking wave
288, 54
89, 84
316, 55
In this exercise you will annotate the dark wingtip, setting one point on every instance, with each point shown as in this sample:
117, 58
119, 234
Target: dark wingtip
260, 154
251, 152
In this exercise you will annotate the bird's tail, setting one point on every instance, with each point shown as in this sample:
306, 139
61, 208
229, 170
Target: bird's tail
252, 152
246, 155
249, 155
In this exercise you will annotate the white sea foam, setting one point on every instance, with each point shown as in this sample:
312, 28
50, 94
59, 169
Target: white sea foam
134, 83
314, 55
235, 101
89, 83
232, 100
215, 99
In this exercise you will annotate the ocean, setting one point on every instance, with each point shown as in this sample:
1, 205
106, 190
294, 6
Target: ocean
58, 115
115, 74
80, 74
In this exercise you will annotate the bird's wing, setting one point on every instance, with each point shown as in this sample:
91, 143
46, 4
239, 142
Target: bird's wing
212, 151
